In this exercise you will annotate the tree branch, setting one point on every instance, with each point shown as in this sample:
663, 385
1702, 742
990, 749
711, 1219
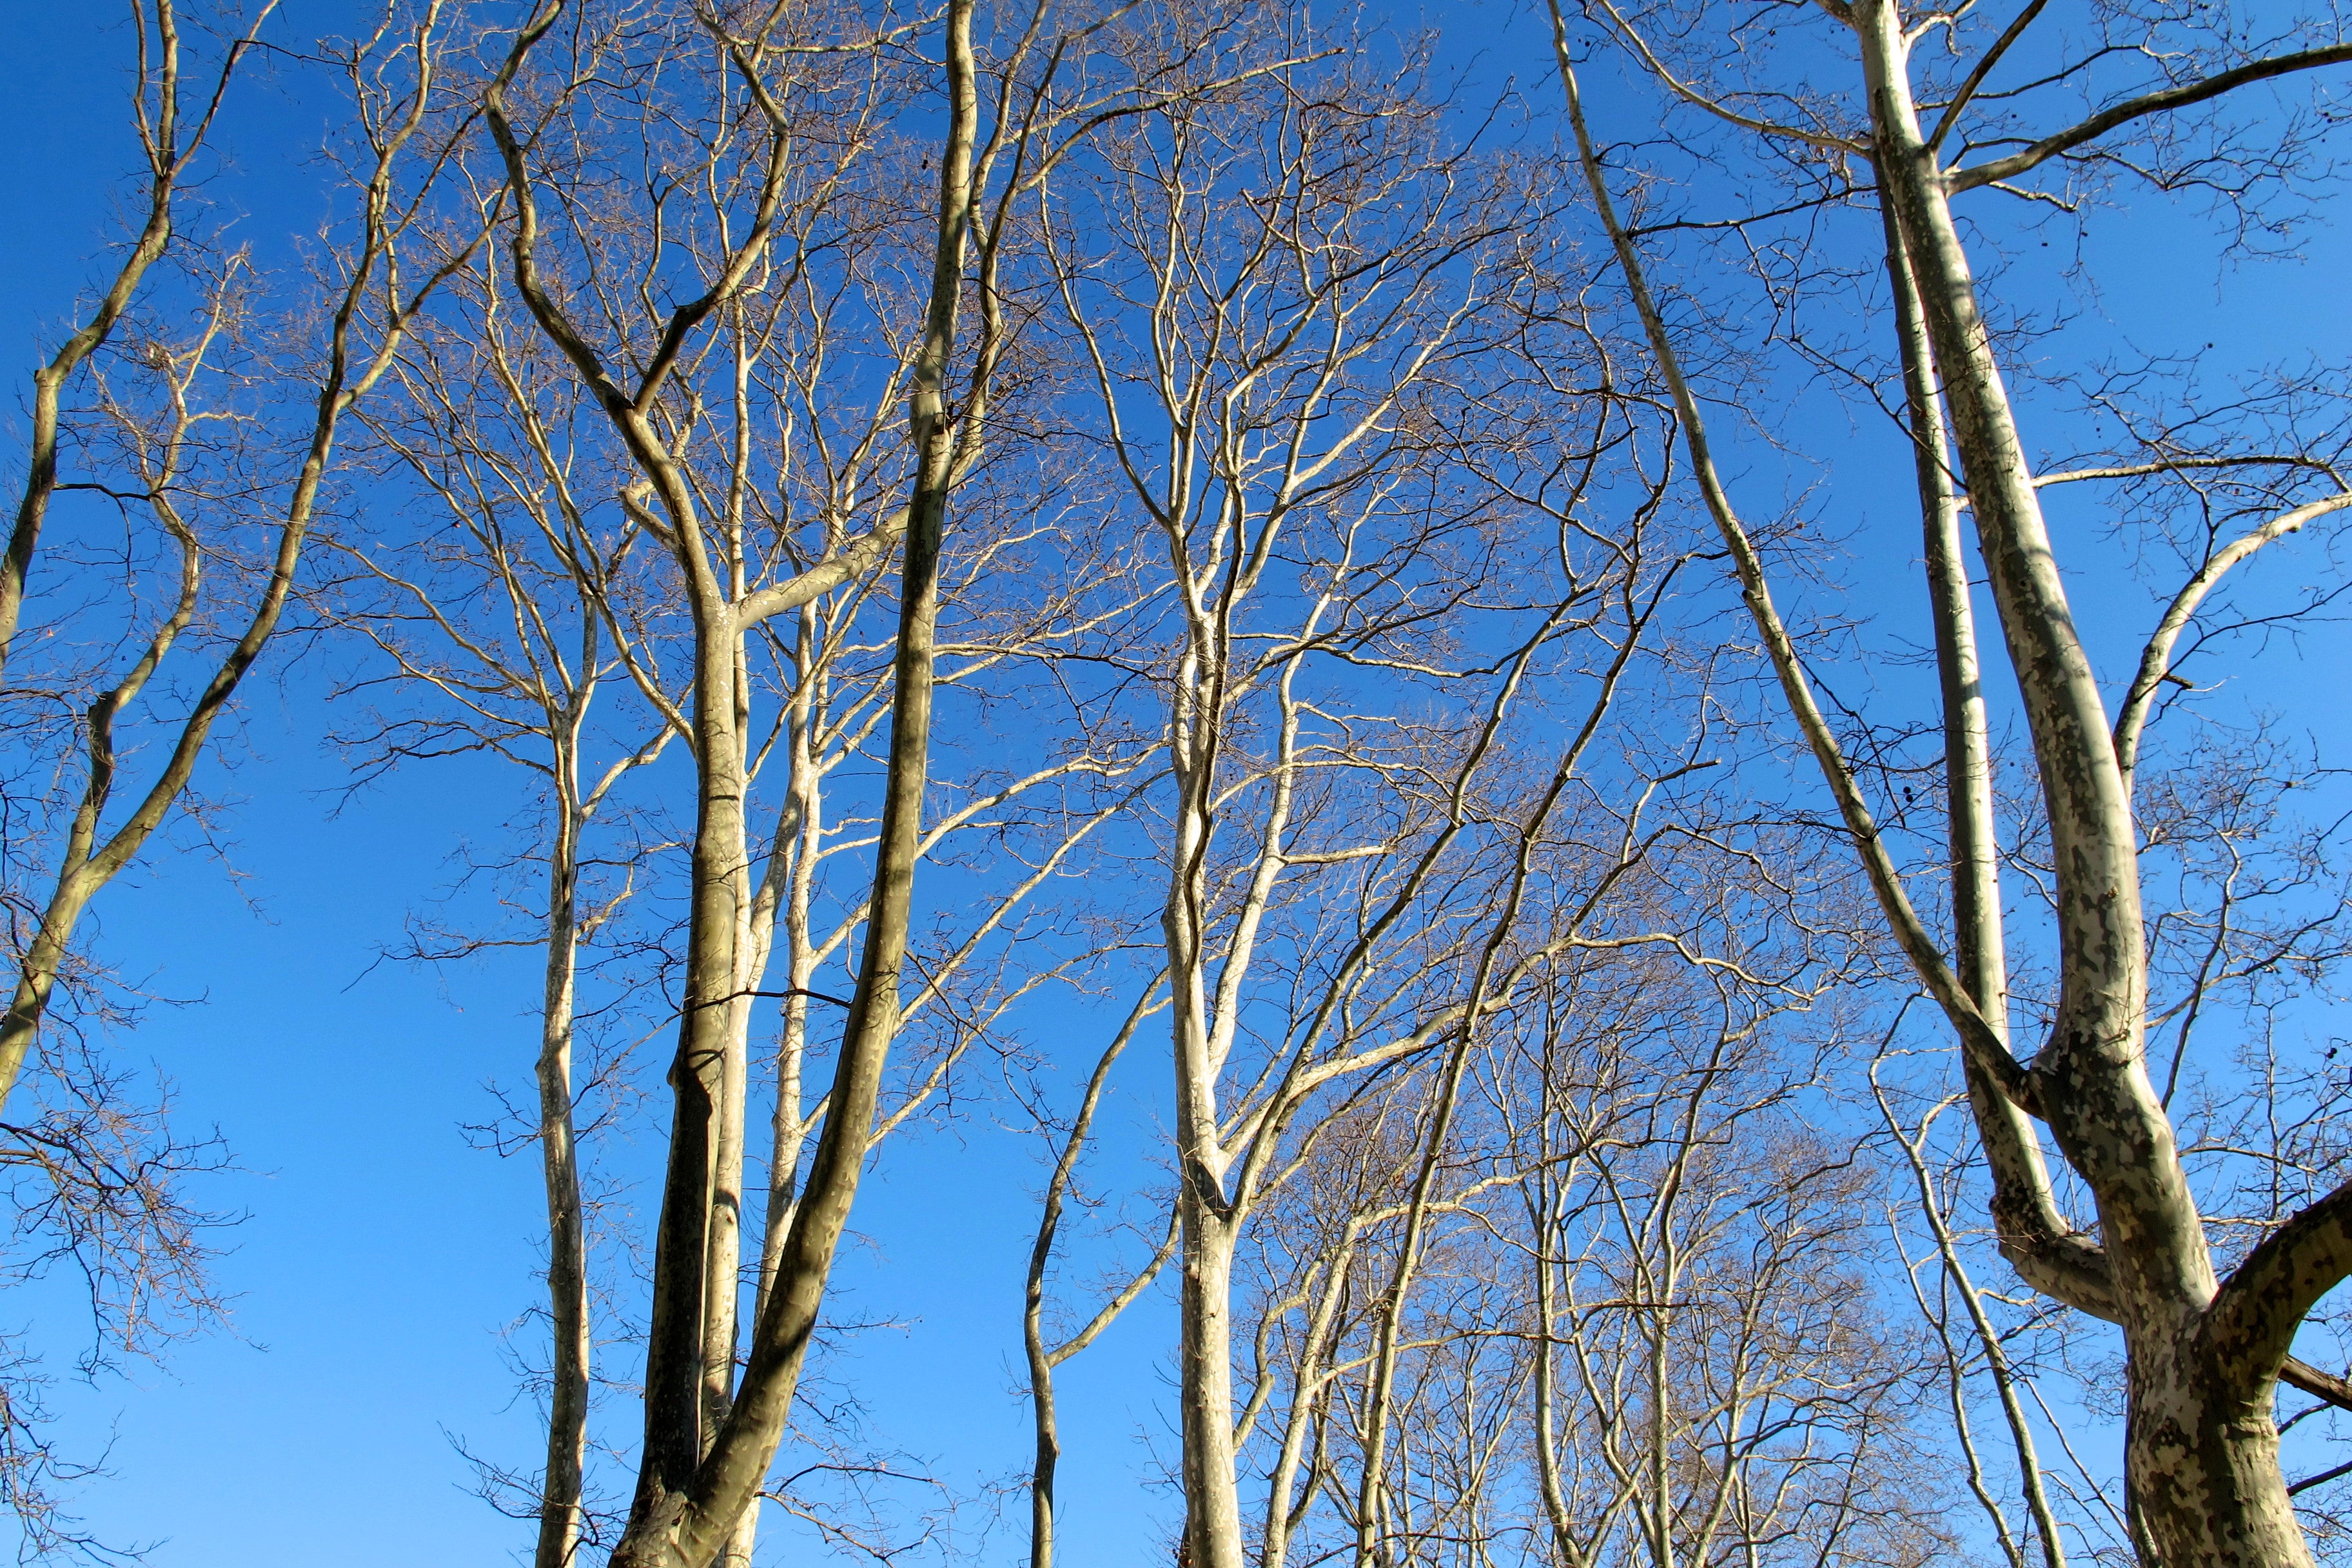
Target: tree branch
2157, 660
2253, 1319
2138, 107
852, 560
2319, 1385
1978, 1037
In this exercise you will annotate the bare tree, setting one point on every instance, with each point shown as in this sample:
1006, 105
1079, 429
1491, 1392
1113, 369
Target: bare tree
776, 137
512, 617
2204, 1349
179, 437
1217, 352
694, 1486
1597, 1288
392, 77
501, 626
1337, 389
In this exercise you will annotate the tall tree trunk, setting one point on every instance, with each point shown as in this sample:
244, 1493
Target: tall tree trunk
676, 1390
2023, 1207
782, 906
1208, 1225
722, 1265
2202, 1470
567, 1271
686, 1521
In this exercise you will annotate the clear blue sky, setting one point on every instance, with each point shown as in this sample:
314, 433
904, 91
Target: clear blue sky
382, 1256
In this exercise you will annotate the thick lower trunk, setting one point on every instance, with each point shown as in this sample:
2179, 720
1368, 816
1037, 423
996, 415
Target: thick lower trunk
1213, 1515
1213, 1537
2201, 1475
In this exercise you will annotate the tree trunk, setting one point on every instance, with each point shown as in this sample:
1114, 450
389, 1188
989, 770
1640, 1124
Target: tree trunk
1213, 1515
2025, 1216
1210, 1228
676, 1392
2201, 1480
567, 1274
2200, 1449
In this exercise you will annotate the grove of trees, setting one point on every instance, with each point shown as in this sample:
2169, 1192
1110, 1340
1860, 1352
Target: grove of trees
1569, 736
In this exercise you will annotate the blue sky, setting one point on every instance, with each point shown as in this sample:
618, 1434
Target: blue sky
382, 1255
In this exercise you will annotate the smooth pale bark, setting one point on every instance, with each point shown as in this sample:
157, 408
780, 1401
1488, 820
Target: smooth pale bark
1287, 1497
681, 1407
706, 1456
1208, 1233
2037, 1240
754, 937
1245, 459
723, 1243
784, 905
567, 1251
2027, 1225
675, 1383
1213, 1515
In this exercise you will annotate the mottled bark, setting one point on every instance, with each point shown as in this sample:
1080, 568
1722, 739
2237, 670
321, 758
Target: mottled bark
2201, 1453
2201, 1461
2045, 1249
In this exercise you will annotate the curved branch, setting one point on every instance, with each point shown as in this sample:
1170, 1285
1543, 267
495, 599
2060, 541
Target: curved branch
2182, 465
1697, 99
2253, 1319
167, 159
1978, 1038
2139, 108
2157, 660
